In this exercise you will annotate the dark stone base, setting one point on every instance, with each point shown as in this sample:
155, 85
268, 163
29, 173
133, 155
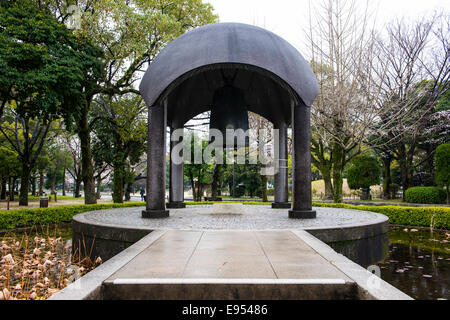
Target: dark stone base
155, 214
357, 250
281, 205
213, 199
176, 205
302, 214
228, 291
96, 240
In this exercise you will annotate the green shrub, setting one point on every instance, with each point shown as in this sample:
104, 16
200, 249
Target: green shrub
425, 195
435, 217
364, 172
442, 163
28, 217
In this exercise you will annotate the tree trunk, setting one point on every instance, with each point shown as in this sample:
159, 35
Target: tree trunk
326, 175
118, 177
199, 186
191, 179
87, 169
387, 180
64, 182
33, 186
128, 191
53, 183
24, 185
99, 182
338, 182
405, 161
200, 192
41, 183
338, 169
12, 188
3, 193
216, 181
405, 181
76, 192
264, 188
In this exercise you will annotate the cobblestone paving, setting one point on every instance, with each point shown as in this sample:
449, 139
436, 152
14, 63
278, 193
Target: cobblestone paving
259, 218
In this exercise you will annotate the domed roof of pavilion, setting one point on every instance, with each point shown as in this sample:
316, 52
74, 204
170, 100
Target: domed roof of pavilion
257, 60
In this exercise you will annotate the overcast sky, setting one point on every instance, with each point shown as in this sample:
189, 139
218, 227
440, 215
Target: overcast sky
287, 17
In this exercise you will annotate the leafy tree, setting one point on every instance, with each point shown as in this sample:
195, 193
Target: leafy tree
341, 45
434, 132
251, 179
42, 71
415, 61
363, 173
131, 34
60, 160
121, 133
199, 175
442, 161
9, 169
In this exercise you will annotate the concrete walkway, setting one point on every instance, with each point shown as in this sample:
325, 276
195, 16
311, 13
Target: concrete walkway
227, 265
229, 255
231, 265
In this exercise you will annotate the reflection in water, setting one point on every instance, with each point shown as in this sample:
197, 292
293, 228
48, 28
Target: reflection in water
418, 263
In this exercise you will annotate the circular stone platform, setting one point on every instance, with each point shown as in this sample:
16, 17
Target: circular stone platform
262, 218
105, 233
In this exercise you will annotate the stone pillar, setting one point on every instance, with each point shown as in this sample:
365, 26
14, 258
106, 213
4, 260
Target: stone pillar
176, 192
156, 162
301, 164
281, 177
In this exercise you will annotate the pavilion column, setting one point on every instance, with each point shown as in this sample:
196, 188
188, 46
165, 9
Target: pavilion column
301, 163
156, 162
281, 177
176, 192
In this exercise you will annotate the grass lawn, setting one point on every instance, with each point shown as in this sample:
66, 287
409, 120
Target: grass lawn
33, 202
59, 197
319, 187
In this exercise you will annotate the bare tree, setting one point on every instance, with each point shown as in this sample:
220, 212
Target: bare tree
342, 50
27, 137
415, 62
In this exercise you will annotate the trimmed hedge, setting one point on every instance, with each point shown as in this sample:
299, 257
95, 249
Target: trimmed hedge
430, 195
42, 216
435, 217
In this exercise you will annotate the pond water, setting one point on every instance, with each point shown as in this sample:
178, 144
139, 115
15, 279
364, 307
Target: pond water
418, 263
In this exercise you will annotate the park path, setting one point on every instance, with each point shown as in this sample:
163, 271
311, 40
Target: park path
227, 265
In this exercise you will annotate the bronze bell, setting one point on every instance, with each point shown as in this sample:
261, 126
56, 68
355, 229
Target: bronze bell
229, 111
